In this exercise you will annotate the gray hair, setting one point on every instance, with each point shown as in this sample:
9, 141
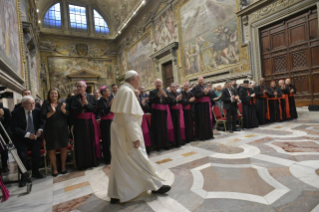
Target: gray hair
173, 84
26, 98
132, 77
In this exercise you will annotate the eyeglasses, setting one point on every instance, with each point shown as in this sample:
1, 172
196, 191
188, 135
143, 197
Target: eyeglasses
79, 86
30, 103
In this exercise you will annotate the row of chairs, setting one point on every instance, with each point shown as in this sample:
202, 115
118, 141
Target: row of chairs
221, 118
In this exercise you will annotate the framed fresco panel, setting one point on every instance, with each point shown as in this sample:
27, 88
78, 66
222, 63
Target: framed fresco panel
10, 42
164, 29
139, 59
209, 35
61, 67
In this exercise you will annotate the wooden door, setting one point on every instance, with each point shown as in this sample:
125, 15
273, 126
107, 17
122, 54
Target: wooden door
291, 49
168, 74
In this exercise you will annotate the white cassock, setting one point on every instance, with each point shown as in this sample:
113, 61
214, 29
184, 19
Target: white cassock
131, 171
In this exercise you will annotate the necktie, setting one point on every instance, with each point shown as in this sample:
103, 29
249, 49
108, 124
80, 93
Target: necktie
30, 124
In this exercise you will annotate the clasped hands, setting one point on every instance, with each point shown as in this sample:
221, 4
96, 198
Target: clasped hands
233, 97
34, 137
162, 92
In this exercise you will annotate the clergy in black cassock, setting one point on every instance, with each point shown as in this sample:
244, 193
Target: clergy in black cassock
104, 109
284, 101
291, 90
247, 95
162, 131
275, 112
177, 115
203, 111
86, 139
187, 101
262, 92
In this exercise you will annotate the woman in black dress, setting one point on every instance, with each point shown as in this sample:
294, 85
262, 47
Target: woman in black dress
104, 107
56, 132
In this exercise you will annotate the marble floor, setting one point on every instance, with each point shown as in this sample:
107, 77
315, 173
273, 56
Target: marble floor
272, 168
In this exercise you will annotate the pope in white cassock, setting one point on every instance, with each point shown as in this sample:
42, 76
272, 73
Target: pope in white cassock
131, 171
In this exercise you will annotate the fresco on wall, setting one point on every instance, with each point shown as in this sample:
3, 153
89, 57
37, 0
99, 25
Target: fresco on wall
209, 35
122, 63
34, 76
9, 35
60, 68
164, 30
24, 10
139, 60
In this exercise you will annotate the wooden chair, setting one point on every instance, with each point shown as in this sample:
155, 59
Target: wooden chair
218, 117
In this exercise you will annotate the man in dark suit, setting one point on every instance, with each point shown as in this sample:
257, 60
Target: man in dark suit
5, 117
27, 127
230, 99
143, 95
26, 92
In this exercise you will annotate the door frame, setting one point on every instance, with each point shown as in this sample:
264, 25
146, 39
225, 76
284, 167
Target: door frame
163, 72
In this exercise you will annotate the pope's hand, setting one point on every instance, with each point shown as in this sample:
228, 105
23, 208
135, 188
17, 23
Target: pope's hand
136, 144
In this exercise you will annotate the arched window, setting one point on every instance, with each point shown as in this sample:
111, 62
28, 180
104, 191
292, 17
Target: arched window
78, 21
52, 18
100, 24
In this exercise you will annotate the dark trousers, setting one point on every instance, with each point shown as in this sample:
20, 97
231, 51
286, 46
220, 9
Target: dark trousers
35, 147
231, 117
4, 158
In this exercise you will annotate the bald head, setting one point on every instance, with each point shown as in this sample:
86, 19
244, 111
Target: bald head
201, 80
158, 84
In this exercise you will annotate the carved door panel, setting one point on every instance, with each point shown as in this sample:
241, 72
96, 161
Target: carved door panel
291, 49
168, 74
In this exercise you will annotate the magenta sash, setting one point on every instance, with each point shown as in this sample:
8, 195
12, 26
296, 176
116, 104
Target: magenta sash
170, 127
146, 133
91, 116
181, 118
187, 107
109, 116
206, 99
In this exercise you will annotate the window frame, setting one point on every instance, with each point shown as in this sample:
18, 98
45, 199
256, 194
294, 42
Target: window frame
61, 12
69, 18
94, 22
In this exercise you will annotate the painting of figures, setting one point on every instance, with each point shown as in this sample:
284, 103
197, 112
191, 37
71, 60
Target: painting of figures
60, 68
209, 34
9, 36
139, 60
34, 76
164, 30
122, 63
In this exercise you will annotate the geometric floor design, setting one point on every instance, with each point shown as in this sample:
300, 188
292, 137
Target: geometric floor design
272, 168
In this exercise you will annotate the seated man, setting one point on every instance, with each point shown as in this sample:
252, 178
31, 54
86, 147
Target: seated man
27, 127
26, 92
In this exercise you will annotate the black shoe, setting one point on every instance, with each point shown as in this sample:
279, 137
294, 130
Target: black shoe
236, 130
230, 131
22, 183
114, 201
55, 175
37, 175
164, 189
5, 169
64, 172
